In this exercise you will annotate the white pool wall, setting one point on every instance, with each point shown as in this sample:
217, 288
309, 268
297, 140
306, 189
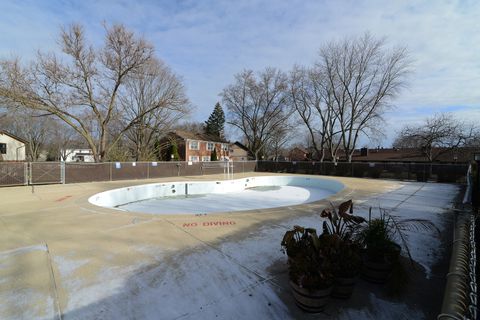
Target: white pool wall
121, 196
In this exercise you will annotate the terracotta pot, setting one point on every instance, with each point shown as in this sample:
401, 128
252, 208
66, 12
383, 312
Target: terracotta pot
343, 287
310, 300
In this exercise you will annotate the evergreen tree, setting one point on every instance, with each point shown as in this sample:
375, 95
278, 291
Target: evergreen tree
216, 122
173, 151
213, 156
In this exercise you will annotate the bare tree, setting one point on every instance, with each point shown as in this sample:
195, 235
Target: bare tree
63, 142
191, 126
82, 87
154, 88
310, 97
257, 106
36, 130
361, 78
280, 137
474, 141
437, 135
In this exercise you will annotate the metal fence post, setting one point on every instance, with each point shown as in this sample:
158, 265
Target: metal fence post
25, 173
62, 172
30, 175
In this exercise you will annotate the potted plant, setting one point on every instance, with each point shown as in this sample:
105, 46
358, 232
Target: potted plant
309, 269
381, 252
294, 240
348, 265
383, 238
343, 250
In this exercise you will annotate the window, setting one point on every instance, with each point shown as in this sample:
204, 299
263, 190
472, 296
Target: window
225, 147
210, 146
193, 158
193, 145
205, 158
3, 148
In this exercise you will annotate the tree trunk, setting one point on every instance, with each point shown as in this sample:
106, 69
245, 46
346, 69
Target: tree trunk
322, 157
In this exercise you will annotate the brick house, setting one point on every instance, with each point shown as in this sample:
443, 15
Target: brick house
195, 147
298, 154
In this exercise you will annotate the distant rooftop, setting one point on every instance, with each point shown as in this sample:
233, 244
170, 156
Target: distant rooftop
414, 154
197, 136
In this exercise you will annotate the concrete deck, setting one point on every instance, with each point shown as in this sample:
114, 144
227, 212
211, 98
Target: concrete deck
63, 258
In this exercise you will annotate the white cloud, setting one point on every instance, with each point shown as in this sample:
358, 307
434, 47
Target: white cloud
208, 41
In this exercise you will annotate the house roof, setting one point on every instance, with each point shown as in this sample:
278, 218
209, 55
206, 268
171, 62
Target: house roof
298, 149
412, 154
241, 146
187, 135
13, 136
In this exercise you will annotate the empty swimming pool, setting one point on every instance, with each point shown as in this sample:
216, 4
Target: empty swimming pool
198, 197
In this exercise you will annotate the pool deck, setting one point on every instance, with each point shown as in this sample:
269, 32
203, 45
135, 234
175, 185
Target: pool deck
64, 258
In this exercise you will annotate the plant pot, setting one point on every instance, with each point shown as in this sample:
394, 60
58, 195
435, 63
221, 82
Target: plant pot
343, 287
376, 271
310, 300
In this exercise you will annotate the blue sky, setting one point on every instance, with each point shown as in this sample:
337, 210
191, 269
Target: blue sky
207, 42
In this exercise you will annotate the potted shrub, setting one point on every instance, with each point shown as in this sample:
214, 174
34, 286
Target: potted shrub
309, 269
381, 252
343, 250
383, 238
346, 269
346, 262
294, 240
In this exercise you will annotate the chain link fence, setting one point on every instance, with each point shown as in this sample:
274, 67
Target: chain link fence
113, 171
472, 271
34, 173
46, 172
453, 173
22, 173
13, 173
460, 296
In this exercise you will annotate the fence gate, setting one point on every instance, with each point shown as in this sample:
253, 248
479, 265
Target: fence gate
13, 174
47, 172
